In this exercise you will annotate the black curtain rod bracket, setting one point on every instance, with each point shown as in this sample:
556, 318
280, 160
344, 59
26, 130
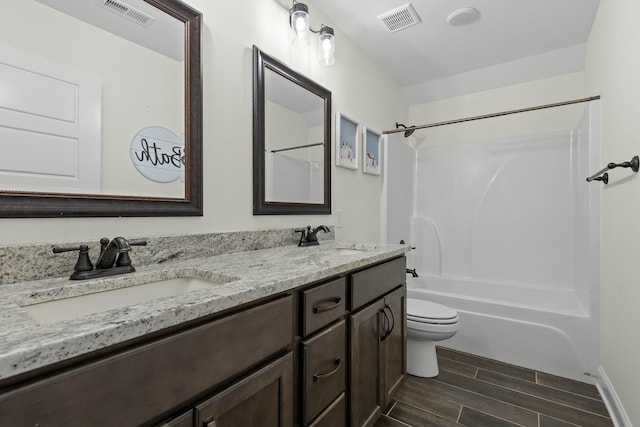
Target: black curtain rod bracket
601, 175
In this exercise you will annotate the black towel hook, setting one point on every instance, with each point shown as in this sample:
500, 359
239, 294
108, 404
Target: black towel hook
634, 164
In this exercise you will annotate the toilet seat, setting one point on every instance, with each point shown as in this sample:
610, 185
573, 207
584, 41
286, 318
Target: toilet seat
422, 311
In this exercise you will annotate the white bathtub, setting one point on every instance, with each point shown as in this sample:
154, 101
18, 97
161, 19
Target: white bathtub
543, 329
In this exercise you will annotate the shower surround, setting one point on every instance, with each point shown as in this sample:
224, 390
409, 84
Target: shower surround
506, 233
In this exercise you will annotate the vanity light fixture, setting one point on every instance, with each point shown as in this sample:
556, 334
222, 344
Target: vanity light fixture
326, 45
300, 28
299, 21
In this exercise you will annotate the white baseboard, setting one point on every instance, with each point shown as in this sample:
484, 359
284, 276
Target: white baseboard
612, 401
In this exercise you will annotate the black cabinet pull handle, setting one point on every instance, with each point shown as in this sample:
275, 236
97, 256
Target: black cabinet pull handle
318, 377
385, 324
393, 319
327, 305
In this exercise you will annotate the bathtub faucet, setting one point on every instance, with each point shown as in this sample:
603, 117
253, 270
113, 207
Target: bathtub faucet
412, 272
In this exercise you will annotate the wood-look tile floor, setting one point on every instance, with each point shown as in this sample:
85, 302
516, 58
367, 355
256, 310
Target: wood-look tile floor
478, 392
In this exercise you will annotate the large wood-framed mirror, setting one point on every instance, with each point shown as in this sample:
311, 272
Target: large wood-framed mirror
131, 70
291, 141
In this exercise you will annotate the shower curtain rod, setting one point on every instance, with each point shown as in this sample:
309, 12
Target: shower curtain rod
488, 116
297, 147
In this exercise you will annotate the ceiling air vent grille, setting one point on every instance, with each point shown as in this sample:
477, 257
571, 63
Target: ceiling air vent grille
128, 12
400, 18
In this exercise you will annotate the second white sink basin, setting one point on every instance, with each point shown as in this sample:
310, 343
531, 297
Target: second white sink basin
76, 306
345, 249
342, 251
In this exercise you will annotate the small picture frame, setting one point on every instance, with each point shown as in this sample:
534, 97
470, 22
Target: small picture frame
372, 150
347, 142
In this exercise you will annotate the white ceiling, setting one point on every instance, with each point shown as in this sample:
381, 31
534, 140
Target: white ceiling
507, 30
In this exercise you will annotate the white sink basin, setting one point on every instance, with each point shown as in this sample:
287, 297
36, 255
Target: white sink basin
342, 251
103, 300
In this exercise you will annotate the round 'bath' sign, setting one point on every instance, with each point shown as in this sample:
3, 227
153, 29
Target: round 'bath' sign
158, 154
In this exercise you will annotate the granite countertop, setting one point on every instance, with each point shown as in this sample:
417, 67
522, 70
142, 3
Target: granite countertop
247, 276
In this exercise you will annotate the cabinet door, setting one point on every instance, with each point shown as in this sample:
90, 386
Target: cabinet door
394, 346
366, 364
264, 399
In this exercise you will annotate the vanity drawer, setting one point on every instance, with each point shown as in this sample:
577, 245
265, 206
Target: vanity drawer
322, 305
369, 284
324, 363
334, 416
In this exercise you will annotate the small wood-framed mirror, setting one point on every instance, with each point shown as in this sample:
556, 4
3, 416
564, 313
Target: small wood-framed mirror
291, 141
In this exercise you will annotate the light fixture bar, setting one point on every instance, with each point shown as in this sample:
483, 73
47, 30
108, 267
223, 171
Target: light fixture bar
300, 28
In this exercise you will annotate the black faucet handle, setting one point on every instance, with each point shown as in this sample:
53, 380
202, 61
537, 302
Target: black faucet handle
303, 234
83, 263
137, 243
58, 249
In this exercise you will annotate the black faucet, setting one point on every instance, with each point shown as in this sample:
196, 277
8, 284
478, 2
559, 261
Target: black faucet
119, 247
113, 259
412, 272
308, 237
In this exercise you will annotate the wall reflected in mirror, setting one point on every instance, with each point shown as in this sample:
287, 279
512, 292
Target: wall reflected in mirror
294, 142
81, 81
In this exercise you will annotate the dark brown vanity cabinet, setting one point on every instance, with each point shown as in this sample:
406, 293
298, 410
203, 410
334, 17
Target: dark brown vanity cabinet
238, 359
353, 346
324, 355
378, 339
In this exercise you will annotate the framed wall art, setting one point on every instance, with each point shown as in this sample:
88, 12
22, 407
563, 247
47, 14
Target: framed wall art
347, 142
372, 150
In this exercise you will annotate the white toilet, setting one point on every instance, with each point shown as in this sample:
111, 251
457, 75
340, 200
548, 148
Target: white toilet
427, 322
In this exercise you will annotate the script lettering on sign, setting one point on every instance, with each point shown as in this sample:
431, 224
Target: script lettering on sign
158, 154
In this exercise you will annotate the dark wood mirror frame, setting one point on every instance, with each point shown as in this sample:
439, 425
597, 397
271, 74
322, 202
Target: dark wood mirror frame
260, 206
47, 205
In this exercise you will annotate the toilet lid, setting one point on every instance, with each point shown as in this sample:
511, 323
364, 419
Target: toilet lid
429, 312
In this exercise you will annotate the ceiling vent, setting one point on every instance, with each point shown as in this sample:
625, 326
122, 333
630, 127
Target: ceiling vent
400, 18
126, 11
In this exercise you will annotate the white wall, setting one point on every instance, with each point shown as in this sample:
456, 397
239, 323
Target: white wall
613, 67
360, 89
539, 92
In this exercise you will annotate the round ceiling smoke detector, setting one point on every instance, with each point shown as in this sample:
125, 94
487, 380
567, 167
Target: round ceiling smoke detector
463, 16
